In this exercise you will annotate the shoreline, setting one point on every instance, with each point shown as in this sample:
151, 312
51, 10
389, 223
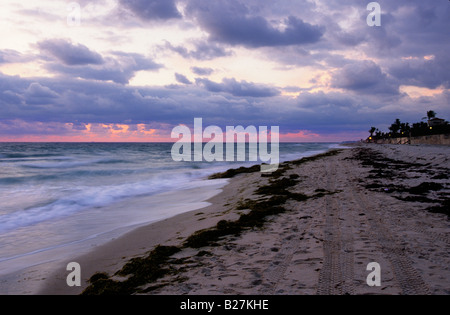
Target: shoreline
26, 275
262, 251
38, 264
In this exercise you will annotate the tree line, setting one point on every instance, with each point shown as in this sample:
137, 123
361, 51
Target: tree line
400, 129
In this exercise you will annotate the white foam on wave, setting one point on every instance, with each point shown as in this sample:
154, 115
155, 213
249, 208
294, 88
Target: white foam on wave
88, 197
68, 237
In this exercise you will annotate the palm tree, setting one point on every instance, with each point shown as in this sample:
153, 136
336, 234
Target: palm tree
372, 130
430, 114
405, 129
395, 127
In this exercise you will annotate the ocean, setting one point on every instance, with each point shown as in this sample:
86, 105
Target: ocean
58, 199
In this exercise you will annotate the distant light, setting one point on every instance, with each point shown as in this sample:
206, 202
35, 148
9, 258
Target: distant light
370, 138
431, 128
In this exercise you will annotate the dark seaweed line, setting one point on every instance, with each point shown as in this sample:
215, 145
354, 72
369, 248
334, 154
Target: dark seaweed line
386, 168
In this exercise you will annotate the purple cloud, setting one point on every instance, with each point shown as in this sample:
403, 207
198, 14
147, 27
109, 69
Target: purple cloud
203, 50
364, 77
10, 56
367, 64
37, 94
70, 54
182, 79
152, 9
67, 100
430, 73
120, 67
202, 71
230, 22
240, 89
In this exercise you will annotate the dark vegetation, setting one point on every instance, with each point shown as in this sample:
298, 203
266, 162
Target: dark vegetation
396, 170
141, 271
235, 171
401, 129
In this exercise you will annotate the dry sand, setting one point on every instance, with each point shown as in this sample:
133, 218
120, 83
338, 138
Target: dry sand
318, 246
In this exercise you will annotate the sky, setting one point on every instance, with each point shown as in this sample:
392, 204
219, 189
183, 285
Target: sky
132, 70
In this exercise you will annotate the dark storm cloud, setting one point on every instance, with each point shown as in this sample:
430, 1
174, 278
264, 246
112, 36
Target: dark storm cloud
67, 100
152, 9
70, 54
230, 22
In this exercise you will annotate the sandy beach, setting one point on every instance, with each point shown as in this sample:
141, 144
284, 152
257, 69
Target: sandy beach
310, 228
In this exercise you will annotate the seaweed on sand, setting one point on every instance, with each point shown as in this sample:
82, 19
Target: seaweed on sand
140, 271
255, 218
279, 172
235, 171
385, 168
443, 208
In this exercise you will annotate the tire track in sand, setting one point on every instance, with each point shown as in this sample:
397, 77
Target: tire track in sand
337, 274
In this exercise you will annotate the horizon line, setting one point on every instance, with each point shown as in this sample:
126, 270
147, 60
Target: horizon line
172, 142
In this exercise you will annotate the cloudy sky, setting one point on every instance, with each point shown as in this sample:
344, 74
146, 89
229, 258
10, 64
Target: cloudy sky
131, 70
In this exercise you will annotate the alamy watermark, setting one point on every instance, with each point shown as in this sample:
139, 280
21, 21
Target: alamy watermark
374, 277
374, 17
74, 277
74, 15
234, 136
